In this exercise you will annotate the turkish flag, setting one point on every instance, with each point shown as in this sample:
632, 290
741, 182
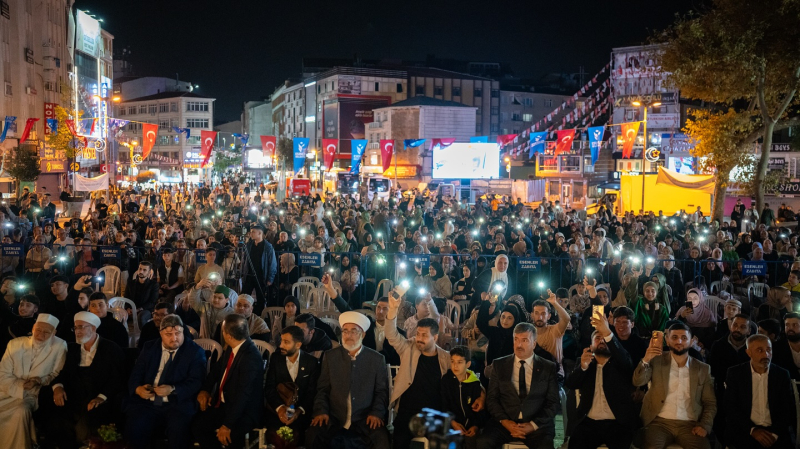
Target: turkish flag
564, 141
629, 132
71, 127
28, 125
443, 142
329, 148
387, 150
268, 145
207, 143
149, 133
503, 139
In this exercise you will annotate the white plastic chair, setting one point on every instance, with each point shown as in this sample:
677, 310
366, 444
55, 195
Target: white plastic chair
334, 324
119, 302
384, 287
301, 291
112, 277
758, 290
311, 279
573, 291
716, 304
264, 346
270, 314
320, 300
212, 347
367, 312
464, 306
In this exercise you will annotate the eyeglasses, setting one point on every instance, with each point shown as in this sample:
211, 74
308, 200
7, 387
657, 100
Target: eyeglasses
81, 328
350, 331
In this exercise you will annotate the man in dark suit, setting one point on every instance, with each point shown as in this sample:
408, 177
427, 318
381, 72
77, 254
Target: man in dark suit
759, 401
293, 365
86, 393
727, 352
163, 385
787, 350
607, 415
356, 375
232, 394
523, 396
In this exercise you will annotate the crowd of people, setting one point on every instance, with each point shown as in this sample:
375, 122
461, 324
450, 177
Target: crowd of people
646, 329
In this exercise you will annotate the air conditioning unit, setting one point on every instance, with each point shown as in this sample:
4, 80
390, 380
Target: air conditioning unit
8, 89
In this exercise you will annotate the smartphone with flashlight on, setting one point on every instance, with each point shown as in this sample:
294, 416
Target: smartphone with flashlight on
400, 290
598, 312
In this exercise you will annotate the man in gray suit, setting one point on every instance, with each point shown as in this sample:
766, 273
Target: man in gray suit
352, 392
680, 405
523, 396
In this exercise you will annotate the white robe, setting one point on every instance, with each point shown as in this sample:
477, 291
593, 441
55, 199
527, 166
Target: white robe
17, 405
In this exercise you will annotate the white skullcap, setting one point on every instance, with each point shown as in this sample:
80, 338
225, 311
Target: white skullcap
47, 318
247, 297
359, 319
88, 317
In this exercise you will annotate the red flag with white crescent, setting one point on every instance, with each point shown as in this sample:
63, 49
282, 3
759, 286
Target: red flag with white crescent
329, 148
268, 145
71, 126
503, 139
28, 125
564, 141
629, 132
149, 133
387, 151
207, 143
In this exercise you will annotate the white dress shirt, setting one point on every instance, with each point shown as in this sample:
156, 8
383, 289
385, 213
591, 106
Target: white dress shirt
677, 403
293, 368
380, 337
759, 412
350, 395
600, 409
225, 374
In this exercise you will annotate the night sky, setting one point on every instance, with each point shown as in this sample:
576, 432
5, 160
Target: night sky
241, 50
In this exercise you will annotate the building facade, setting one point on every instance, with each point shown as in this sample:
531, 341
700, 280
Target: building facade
519, 109
174, 158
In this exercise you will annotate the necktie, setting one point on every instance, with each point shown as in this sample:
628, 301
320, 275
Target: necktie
158, 400
224, 379
523, 389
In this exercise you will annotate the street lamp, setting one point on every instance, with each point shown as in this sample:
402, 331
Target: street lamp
646, 105
508, 166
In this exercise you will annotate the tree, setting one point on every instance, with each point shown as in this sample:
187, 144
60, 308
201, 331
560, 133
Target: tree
24, 165
718, 142
285, 151
226, 159
145, 176
744, 53
62, 140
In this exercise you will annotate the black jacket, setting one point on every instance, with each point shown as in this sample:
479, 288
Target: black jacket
458, 398
306, 380
392, 358
144, 294
782, 356
542, 402
617, 385
739, 402
244, 388
103, 376
113, 330
267, 264
501, 341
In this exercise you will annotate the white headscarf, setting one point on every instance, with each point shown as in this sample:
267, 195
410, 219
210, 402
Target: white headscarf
498, 275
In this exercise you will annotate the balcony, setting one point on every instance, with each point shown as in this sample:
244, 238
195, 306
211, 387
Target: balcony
376, 125
563, 165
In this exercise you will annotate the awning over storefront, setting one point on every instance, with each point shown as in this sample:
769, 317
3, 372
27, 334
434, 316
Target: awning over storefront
702, 183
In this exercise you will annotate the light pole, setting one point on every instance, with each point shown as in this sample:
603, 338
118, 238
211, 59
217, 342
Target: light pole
644, 147
508, 167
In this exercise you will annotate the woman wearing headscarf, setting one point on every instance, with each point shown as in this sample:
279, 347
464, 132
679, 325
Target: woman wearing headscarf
287, 275
441, 288
662, 296
701, 317
649, 314
501, 337
463, 288
713, 270
777, 304
487, 278
341, 245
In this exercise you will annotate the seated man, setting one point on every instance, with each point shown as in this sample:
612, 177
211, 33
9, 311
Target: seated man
170, 275
606, 412
152, 329
211, 311
109, 328
87, 391
143, 291
162, 388
787, 350
523, 396
28, 364
232, 396
314, 340
258, 327
352, 398
291, 365
20, 324
759, 401
680, 405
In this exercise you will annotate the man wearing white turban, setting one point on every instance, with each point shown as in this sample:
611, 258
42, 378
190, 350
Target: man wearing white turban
28, 364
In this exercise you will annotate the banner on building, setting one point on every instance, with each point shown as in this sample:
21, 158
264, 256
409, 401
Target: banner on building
357, 147
629, 132
595, 139
84, 184
329, 147
268, 145
149, 133
300, 145
537, 143
50, 118
28, 126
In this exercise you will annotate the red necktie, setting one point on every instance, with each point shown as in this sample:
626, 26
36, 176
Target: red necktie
224, 379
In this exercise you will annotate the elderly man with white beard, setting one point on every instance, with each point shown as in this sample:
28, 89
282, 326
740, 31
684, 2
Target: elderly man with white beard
28, 364
352, 391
